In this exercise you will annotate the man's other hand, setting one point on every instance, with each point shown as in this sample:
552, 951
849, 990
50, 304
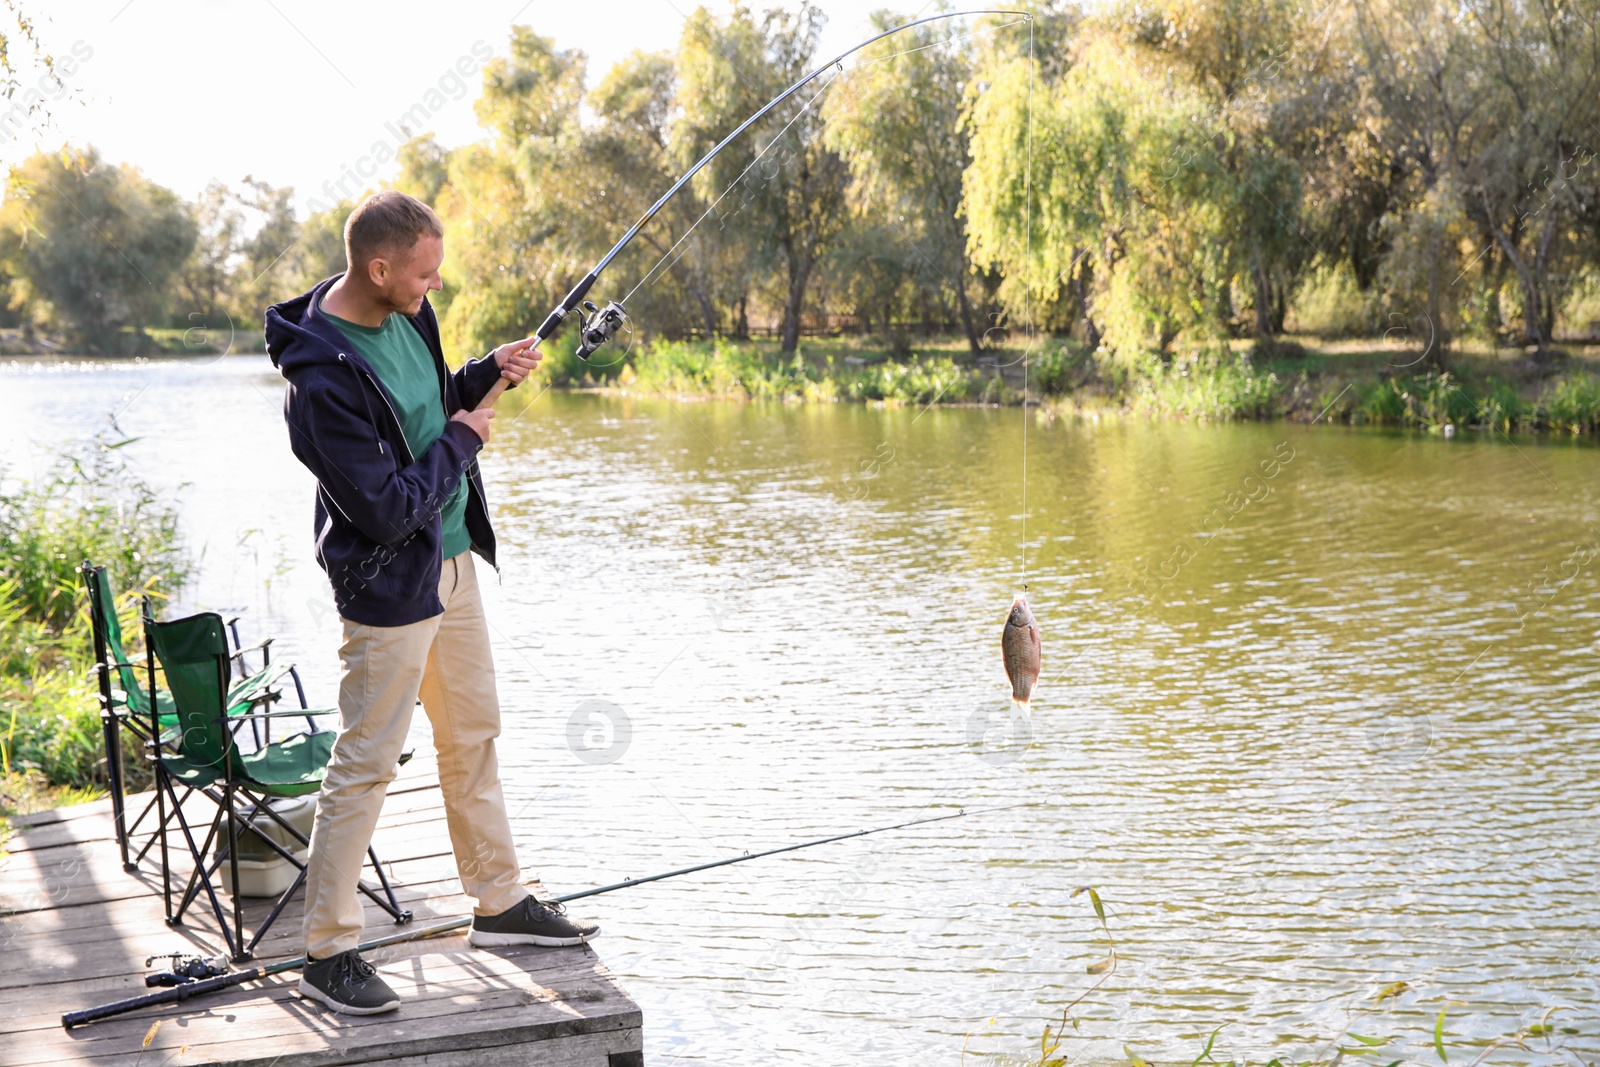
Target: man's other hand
478, 420
518, 359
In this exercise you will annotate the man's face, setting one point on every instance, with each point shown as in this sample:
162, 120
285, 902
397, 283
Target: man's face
404, 278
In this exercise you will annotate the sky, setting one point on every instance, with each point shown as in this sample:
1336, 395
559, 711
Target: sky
304, 93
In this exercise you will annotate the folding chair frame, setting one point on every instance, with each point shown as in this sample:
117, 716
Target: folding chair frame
111, 720
225, 799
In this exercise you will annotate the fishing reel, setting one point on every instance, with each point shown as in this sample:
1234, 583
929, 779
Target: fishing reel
599, 326
185, 968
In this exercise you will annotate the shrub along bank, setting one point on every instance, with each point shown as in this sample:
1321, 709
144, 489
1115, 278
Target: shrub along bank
1285, 380
88, 506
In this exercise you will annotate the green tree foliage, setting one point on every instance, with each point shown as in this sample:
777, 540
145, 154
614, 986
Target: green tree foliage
1155, 177
790, 199
251, 252
632, 143
1489, 110
897, 121
1437, 153
1129, 190
316, 253
511, 207
94, 243
424, 168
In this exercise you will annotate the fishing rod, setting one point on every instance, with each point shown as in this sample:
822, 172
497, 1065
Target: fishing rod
599, 325
187, 989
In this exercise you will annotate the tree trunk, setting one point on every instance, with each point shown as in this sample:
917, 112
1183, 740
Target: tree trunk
1541, 266
1438, 337
708, 310
794, 302
969, 323
741, 324
1263, 304
974, 342
1532, 298
1091, 332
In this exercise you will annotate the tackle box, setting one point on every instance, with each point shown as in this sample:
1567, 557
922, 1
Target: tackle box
262, 871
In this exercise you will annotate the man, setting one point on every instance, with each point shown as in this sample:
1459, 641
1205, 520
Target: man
392, 438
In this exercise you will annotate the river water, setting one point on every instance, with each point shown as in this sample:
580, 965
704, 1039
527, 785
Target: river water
1318, 711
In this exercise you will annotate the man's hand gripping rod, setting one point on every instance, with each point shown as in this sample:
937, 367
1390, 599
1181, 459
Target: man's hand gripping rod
600, 325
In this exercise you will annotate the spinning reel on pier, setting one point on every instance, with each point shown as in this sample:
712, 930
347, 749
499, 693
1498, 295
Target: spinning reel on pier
185, 968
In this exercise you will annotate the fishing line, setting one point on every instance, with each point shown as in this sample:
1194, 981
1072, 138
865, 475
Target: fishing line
1027, 307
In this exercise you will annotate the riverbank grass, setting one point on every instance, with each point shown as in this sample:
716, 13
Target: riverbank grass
822, 371
88, 507
1350, 381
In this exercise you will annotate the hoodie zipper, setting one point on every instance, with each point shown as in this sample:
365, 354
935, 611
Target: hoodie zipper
404, 444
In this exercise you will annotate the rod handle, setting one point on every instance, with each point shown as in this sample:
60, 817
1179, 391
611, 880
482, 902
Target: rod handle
552, 322
493, 394
175, 995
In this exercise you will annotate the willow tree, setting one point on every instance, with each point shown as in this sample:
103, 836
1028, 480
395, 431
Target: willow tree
781, 188
1127, 189
897, 121
1233, 55
508, 205
680, 269
1496, 104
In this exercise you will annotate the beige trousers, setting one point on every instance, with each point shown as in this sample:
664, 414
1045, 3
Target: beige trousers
446, 660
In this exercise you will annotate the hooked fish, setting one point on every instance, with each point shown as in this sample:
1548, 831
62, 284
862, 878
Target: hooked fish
1019, 645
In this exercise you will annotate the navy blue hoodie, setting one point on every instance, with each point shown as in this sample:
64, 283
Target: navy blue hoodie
377, 517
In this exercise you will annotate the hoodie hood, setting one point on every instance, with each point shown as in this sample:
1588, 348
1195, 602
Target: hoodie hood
299, 335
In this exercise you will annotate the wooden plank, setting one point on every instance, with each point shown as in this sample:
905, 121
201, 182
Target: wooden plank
610, 1042
461, 1005
91, 931
41, 1008
92, 870
422, 975
412, 800
92, 810
420, 877
424, 765
601, 1048
448, 1005
98, 877
48, 955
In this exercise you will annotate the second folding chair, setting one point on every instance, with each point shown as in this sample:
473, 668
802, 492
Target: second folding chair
201, 756
124, 703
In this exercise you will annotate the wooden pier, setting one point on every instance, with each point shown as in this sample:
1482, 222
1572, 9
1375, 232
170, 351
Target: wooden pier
75, 929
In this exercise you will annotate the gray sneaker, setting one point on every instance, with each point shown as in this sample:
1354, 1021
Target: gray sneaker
348, 984
530, 922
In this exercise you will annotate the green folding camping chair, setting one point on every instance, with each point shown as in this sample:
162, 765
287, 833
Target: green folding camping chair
123, 703
202, 755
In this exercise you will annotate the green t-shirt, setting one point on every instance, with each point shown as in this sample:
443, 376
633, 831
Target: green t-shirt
402, 360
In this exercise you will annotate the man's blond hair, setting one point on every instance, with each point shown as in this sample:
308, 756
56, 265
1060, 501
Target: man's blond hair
387, 223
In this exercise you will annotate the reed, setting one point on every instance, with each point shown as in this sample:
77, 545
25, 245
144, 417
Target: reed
89, 506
